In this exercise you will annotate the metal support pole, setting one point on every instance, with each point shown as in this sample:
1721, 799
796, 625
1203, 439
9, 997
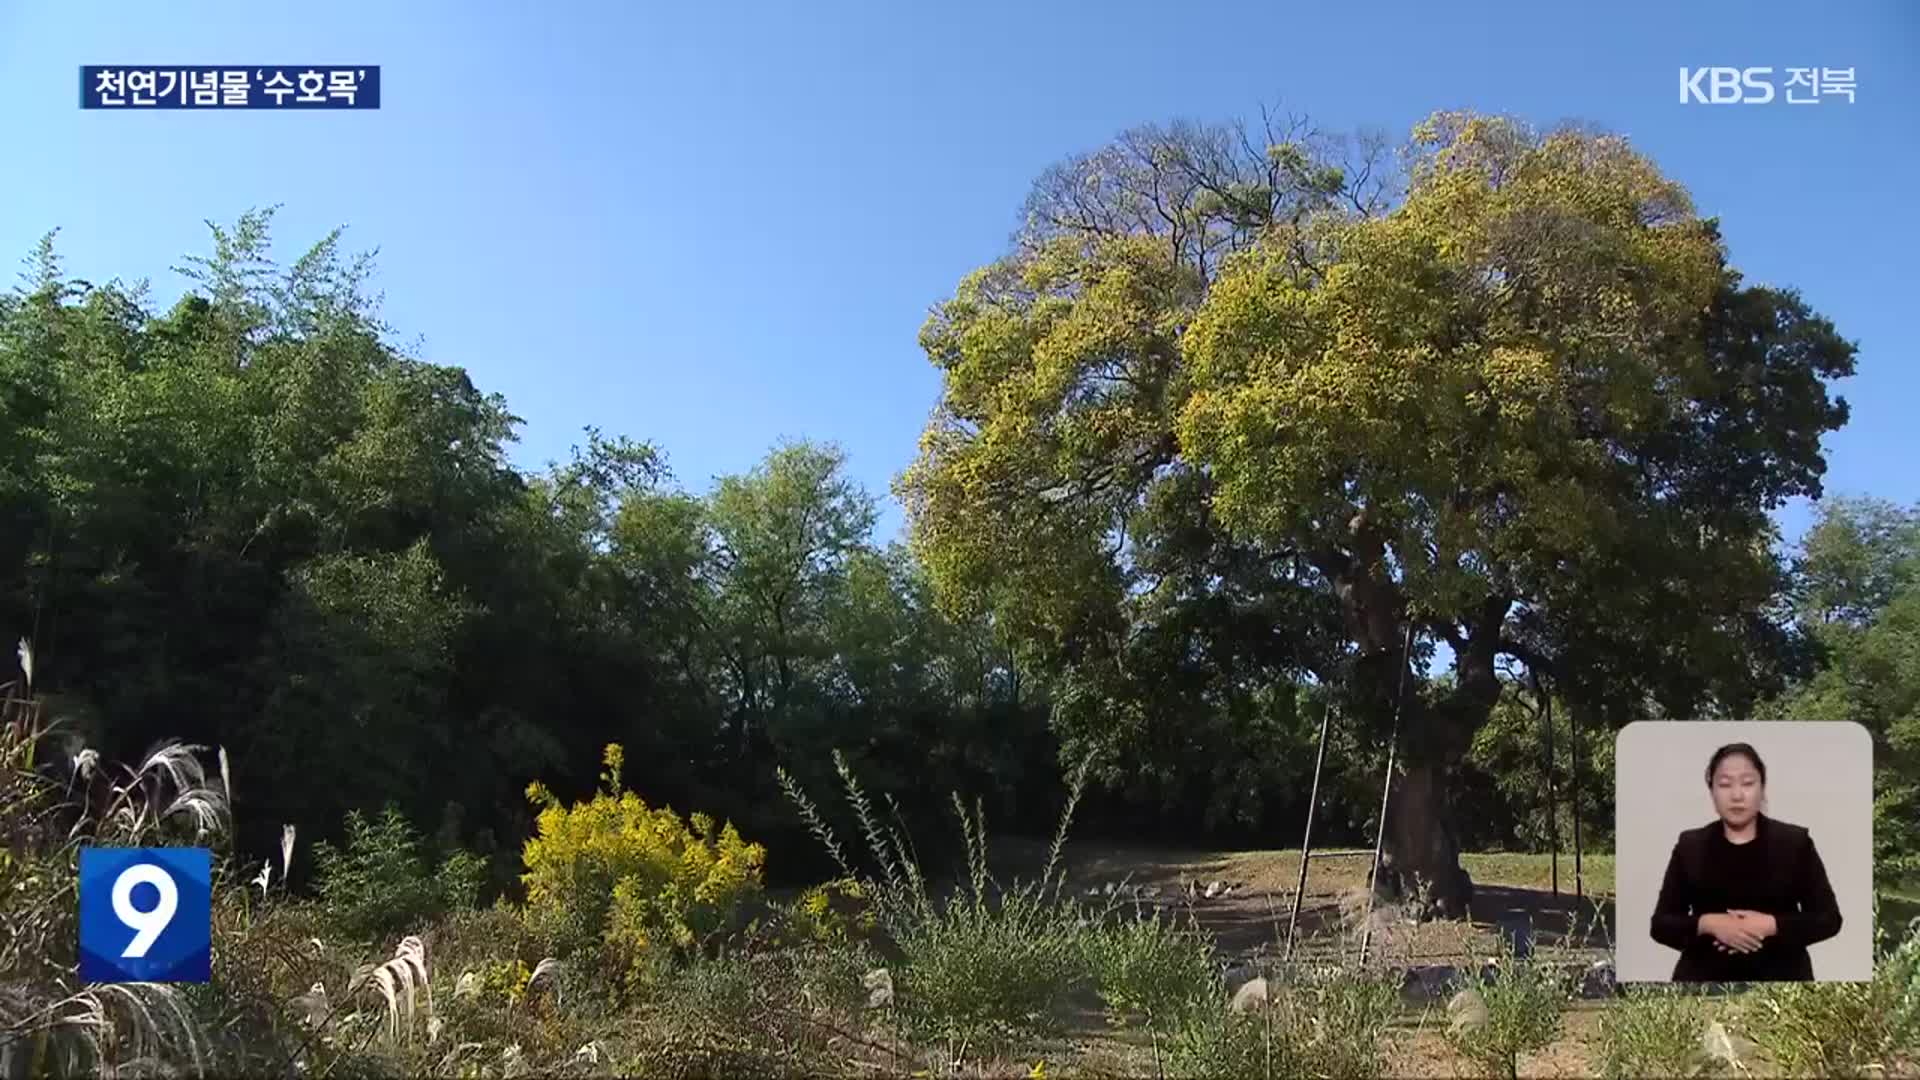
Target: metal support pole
1579, 878
1553, 801
1386, 789
1306, 840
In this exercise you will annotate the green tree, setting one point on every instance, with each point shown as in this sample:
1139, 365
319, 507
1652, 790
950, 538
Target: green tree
1531, 786
252, 520
783, 537
1858, 591
1526, 411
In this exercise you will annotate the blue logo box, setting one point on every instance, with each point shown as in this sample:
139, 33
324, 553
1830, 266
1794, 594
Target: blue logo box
146, 914
230, 86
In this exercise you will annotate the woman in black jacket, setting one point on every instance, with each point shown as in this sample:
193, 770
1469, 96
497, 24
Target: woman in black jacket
1744, 896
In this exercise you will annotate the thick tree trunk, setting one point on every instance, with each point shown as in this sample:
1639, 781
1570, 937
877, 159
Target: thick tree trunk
1421, 867
1421, 857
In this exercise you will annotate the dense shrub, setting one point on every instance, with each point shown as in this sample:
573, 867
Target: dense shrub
1325, 1024
1653, 1031
1843, 1029
1523, 1006
984, 967
989, 972
378, 884
614, 875
1147, 968
837, 912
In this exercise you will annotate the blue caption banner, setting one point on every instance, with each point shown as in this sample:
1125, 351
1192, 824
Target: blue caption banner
230, 86
146, 914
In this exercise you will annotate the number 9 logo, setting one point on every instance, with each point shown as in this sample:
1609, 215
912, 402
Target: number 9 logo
147, 925
146, 914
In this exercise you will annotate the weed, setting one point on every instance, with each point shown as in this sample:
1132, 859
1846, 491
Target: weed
1653, 1031
1842, 1029
378, 884
1515, 1013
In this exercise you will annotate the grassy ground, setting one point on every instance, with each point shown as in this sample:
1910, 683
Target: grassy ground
1253, 916
1537, 871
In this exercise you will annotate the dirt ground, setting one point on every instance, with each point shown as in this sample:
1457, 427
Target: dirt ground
1253, 915
1249, 915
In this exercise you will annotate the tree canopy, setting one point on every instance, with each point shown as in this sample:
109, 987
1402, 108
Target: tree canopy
1524, 409
252, 521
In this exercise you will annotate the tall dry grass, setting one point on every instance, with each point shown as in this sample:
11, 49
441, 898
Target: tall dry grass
49, 1022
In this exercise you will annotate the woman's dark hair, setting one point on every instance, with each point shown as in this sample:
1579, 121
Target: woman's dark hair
1731, 749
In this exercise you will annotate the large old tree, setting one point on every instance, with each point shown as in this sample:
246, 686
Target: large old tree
1299, 405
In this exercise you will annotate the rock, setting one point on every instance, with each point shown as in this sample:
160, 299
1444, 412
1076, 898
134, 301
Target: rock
1725, 1047
548, 972
879, 984
1251, 995
1466, 1011
1428, 982
1598, 980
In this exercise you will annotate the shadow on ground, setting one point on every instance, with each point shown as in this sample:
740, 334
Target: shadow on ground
1557, 921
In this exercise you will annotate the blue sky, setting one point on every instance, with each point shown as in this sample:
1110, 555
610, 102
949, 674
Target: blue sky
712, 225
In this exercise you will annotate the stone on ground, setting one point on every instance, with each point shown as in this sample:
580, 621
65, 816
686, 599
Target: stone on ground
1467, 1010
1251, 995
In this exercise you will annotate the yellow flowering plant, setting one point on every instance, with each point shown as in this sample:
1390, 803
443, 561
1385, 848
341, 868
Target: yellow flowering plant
835, 913
617, 873
505, 981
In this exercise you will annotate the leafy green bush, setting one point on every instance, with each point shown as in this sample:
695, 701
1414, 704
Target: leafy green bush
1217, 1043
1147, 968
377, 884
985, 967
1523, 1008
1653, 1031
618, 876
1347, 1015
837, 913
1842, 1029
1325, 1024
984, 973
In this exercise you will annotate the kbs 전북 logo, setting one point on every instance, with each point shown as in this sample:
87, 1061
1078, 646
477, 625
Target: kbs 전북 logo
1759, 85
146, 914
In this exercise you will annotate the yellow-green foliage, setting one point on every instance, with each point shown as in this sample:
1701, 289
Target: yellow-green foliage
505, 981
835, 913
616, 872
